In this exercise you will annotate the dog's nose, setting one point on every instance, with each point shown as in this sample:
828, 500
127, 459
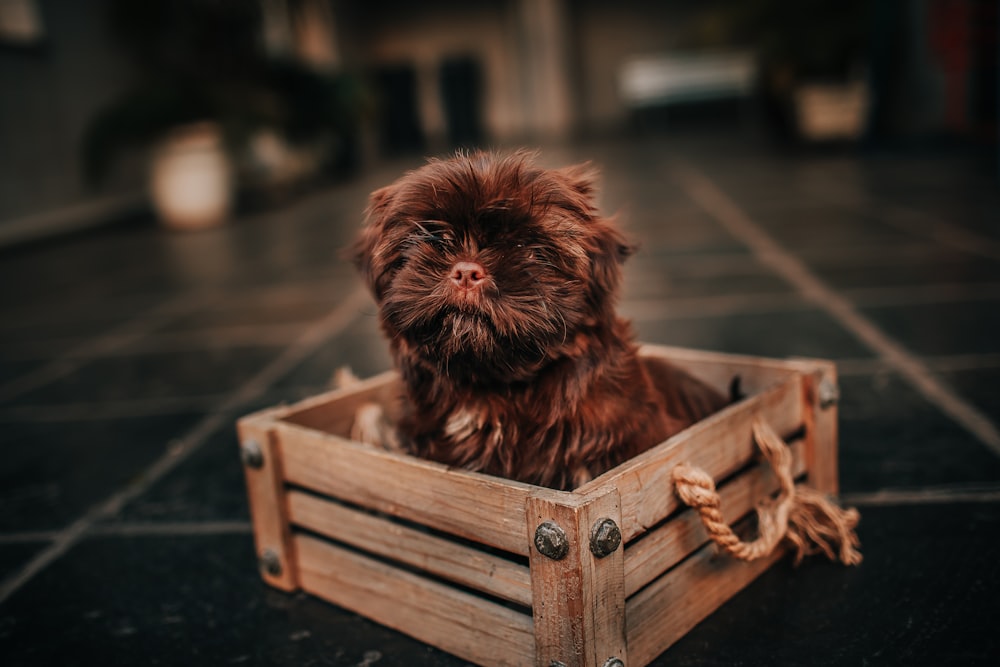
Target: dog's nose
468, 275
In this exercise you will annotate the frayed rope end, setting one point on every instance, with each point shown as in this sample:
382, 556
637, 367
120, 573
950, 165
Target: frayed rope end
809, 520
818, 525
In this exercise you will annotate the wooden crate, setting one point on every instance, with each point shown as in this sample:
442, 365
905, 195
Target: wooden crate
450, 557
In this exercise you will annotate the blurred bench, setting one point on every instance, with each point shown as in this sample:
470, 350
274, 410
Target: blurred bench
668, 79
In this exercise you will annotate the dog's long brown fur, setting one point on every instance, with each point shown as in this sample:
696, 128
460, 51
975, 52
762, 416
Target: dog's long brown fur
519, 366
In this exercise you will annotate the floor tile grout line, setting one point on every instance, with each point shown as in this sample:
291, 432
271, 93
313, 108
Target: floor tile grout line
929, 293
311, 339
717, 204
939, 363
765, 302
846, 367
927, 496
140, 529
111, 409
28, 536
130, 330
140, 408
248, 335
240, 296
915, 221
174, 528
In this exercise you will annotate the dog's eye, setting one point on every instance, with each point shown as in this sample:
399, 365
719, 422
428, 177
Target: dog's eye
426, 233
438, 238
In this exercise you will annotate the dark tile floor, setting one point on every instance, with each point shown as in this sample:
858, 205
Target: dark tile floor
127, 354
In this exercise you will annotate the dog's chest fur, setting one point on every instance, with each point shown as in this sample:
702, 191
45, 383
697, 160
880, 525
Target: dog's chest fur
578, 417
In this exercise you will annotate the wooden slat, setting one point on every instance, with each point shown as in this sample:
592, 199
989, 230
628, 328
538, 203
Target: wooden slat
469, 627
482, 508
668, 608
684, 533
718, 368
720, 445
579, 600
443, 558
333, 411
268, 510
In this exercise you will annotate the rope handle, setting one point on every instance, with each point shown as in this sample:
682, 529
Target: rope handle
809, 520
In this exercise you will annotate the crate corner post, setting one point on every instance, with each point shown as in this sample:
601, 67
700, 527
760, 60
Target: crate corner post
576, 557
260, 456
821, 395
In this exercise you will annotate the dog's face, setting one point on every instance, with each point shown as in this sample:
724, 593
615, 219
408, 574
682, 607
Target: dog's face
485, 267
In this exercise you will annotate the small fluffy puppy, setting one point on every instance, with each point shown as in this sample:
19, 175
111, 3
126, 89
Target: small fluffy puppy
496, 283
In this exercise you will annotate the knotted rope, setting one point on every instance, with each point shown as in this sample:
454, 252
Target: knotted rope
810, 521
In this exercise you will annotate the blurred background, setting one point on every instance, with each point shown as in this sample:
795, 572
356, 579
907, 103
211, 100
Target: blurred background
178, 179
106, 102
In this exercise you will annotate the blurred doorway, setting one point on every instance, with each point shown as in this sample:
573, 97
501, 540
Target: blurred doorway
399, 120
461, 97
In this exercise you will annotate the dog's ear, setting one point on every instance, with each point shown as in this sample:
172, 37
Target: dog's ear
380, 198
609, 250
371, 248
581, 177
607, 247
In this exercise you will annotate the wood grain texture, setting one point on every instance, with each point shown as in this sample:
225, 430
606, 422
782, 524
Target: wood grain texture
333, 411
438, 556
720, 445
474, 629
579, 600
669, 607
664, 547
718, 368
488, 510
268, 508
821, 432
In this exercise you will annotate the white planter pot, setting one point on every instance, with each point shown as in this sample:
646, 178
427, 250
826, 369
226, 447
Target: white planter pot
191, 179
830, 112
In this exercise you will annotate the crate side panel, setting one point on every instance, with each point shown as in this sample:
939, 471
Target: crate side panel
334, 411
672, 605
718, 369
471, 628
684, 533
720, 445
485, 509
435, 555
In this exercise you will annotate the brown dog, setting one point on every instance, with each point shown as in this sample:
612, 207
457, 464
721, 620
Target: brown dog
496, 282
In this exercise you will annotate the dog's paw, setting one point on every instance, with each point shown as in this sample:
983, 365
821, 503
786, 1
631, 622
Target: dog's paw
372, 427
581, 476
344, 377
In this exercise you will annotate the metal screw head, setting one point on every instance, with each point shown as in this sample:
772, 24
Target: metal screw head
551, 541
251, 454
614, 662
605, 537
828, 393
270, 563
